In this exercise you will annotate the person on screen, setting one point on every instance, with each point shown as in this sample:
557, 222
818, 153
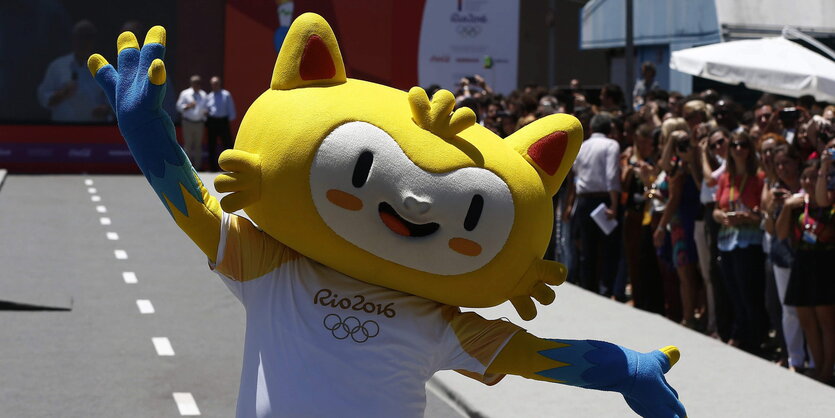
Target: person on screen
68, 90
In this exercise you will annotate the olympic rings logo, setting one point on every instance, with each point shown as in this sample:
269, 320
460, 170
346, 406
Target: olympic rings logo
467, 31
360, 332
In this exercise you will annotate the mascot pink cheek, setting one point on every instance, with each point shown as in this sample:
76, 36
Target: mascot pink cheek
465, 246
344, 200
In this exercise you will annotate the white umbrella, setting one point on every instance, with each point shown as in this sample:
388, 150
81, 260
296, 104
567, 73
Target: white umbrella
774, 65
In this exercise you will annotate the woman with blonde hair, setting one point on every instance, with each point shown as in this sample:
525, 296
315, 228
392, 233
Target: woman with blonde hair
683, 177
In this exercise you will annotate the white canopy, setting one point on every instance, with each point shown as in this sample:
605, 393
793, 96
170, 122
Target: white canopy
774, 65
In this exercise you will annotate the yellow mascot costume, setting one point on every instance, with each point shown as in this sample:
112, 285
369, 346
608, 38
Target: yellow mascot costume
379, 213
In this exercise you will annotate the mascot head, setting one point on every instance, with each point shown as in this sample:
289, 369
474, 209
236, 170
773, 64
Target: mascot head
395, 189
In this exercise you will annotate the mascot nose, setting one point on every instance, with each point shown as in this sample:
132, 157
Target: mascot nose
416, 205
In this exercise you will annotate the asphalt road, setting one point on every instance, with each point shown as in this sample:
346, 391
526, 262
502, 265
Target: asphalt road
74, 341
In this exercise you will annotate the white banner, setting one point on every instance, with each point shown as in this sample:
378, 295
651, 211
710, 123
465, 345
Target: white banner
460, 38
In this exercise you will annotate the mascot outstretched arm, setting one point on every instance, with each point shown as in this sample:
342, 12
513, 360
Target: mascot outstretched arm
379, 214
135, 92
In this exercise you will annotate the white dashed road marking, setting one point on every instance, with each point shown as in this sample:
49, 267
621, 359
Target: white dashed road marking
163, 346
185, 401
145, 306
186, 404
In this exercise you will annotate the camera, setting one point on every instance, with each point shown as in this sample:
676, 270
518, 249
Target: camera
683, 146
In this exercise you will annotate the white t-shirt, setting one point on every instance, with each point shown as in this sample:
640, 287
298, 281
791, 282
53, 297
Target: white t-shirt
78, 107
320, 343
196, 113
597, 166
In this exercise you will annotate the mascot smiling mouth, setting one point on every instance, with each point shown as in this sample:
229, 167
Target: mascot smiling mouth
400, 226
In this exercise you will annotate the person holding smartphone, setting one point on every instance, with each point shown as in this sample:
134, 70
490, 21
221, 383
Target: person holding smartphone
787, 164
679, 218
825, 186
738, 200
811, 229
714, 153
638, 170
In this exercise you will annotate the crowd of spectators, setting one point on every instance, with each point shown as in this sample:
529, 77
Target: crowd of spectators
726, 214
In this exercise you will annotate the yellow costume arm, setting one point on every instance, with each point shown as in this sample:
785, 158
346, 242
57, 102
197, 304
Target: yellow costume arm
150, 134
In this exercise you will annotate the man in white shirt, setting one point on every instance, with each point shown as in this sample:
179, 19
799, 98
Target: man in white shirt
68, 90
221, 110
597, 181
192, 106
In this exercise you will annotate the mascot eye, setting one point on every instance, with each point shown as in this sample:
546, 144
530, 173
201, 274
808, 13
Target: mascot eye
362, 168
474, 213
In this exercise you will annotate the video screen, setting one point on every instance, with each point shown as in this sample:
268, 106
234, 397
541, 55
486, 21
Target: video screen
44, 46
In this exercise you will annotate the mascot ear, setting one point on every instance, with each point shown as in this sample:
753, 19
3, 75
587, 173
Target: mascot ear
309, 56
550, 145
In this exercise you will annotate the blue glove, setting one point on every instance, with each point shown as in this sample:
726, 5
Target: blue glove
135, 93
639, 377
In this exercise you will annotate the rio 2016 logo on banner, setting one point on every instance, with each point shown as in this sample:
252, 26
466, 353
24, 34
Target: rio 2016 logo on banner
468, 31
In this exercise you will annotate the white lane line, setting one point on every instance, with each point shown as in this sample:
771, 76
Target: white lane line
88, 182
112, 236
120, 254
91, 190
95, 198
163, 346
186, 404
104, 221
101, 209
129, 277
145, 306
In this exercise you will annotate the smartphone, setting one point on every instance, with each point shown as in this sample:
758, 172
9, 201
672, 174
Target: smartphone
730, 214
789, 114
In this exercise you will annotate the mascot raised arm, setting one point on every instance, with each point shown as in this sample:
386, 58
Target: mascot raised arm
376, 214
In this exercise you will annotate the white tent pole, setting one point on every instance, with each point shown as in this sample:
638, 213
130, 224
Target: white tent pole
790, 32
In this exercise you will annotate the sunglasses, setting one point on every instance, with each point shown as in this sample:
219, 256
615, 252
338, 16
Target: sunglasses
717, 144
740, 145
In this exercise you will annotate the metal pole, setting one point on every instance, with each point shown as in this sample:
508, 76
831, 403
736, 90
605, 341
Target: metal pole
630, 56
